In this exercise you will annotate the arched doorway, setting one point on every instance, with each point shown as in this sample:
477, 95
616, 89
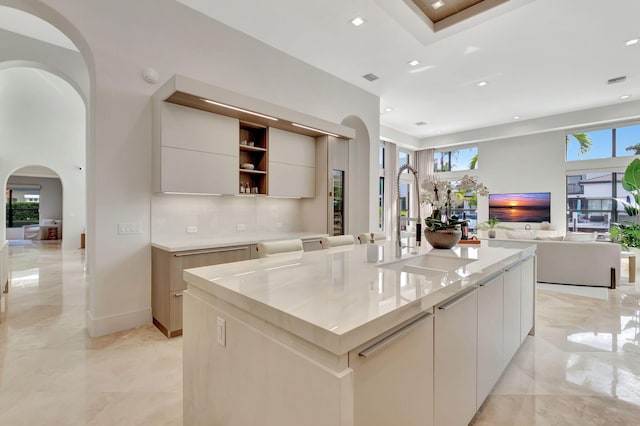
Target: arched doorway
33, 206
43, 122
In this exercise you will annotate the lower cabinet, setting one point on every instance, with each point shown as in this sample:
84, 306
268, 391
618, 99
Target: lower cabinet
393, 377
527, 297
490, 338
512, 310
167, 283
455, 359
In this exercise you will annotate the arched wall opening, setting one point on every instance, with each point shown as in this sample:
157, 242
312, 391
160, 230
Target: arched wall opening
362, 189
43, 122
34, 205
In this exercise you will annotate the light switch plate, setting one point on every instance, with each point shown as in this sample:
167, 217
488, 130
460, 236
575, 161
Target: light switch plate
192, 229
129, 228
241, 227
221, 331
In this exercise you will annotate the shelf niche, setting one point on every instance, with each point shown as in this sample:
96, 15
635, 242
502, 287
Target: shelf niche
254, 149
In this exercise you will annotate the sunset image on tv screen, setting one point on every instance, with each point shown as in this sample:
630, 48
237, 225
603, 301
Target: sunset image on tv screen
530, 207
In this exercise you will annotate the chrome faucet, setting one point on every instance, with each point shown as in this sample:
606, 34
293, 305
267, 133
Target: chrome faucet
398, 206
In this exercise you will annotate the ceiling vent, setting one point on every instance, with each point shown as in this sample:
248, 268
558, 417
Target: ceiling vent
370, 77
421, 123
617, 80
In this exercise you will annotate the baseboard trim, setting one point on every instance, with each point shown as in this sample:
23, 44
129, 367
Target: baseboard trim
102, 326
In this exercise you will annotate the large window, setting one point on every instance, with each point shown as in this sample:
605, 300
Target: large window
591, 204
22, 206
603, 143
455, 160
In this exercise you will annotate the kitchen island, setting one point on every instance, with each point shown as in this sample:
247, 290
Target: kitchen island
326, 338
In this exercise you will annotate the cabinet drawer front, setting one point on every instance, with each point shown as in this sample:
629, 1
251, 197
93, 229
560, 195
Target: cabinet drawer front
198, 172
286, 180
190, 128
214, 257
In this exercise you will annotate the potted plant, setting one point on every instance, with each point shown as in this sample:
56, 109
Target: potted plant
491, 225
442, 229
627, 233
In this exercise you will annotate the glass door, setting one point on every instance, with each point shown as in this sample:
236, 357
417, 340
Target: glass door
338, 202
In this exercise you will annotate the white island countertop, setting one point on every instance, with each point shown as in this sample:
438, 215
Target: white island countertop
336, 300
239, 238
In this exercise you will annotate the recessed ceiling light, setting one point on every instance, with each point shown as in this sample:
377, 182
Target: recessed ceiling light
388, 109
420, 123
438, 132
357, 21
414, 63
437, 4
632, 41
516, 117
625, 96
482, 83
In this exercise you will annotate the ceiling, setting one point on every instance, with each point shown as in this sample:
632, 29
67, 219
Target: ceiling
538, 57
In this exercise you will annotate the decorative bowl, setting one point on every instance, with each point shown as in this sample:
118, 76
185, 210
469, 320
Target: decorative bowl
247, 166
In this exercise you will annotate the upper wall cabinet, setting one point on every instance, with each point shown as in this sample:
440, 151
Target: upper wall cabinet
292, 164
194, 151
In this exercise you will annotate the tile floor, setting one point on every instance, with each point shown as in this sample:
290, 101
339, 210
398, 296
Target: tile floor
581, 368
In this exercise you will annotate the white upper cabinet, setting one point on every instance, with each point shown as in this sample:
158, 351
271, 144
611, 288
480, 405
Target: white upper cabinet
190, 128
292, 159
194, 151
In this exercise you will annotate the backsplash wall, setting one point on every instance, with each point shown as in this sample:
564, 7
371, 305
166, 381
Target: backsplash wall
216, 216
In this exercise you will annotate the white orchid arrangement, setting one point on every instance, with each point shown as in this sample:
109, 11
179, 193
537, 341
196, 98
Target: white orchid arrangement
442, 195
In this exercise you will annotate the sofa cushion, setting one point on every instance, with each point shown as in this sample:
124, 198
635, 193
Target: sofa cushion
521, 235
557, 238
581, 236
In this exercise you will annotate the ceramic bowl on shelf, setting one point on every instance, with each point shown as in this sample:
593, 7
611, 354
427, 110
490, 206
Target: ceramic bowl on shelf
247, 166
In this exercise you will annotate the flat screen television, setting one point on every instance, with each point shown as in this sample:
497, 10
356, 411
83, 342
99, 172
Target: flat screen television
524, 207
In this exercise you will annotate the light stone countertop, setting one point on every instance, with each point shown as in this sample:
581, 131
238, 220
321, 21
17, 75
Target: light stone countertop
335, 299
239, 238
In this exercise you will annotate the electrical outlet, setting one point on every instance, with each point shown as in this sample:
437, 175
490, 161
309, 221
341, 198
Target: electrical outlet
192, 229
129, 228
221, 331
241, 227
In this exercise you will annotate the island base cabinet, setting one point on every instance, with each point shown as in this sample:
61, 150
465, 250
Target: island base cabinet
455, 357
393, 377
511, 329
254, 379
527, 297
490, 340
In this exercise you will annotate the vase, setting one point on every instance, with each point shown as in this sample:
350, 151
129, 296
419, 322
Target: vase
443, 238
492, 233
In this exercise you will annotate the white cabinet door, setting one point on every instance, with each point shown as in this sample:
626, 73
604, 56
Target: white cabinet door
393, 378
512, 284
291, 148
188, 171
490, 339
196, 130
286, 180
527, 297
292, 164
455, 343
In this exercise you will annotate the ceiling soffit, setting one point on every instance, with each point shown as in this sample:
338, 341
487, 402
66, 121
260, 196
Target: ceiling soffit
453, 11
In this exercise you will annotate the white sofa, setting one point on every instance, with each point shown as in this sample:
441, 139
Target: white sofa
588, 263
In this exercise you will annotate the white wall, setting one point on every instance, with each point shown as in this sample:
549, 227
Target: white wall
118, 39
533, 163
50, 194
42, 122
